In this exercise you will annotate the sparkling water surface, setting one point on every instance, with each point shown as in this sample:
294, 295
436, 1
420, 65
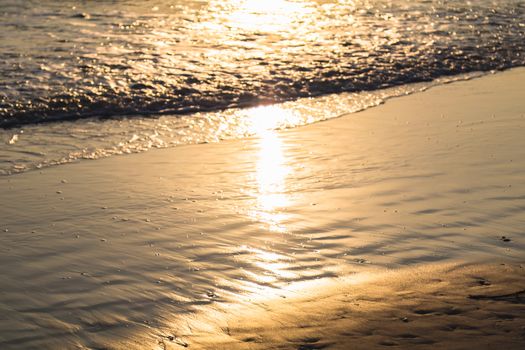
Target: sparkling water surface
72, 60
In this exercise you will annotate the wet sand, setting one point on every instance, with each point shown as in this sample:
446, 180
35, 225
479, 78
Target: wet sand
432, 307
399, 211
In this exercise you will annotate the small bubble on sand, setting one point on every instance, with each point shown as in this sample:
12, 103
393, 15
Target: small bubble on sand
103, 240
59, 192
63, 181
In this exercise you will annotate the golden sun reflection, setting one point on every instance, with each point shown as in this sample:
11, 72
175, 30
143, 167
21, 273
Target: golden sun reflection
275, 266
269, 15
272, 167
263, 120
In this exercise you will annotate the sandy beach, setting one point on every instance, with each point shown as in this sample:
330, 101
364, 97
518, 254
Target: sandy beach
430, 307
402, 226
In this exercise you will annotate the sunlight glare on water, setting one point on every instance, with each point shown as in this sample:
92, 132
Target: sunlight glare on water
265, 16
141, 58
272, 167
108, 67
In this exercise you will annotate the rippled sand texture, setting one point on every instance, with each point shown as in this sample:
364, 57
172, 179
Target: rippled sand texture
166, 57
130, 251
429, 307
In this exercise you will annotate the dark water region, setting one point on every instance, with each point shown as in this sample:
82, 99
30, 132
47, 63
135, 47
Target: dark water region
65, 60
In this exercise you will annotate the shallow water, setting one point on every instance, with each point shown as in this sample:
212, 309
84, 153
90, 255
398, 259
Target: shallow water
40, 145
68, 61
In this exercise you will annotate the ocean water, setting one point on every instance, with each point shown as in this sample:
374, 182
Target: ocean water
89, 79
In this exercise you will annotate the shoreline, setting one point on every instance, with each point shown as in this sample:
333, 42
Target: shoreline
129, 252
80, 140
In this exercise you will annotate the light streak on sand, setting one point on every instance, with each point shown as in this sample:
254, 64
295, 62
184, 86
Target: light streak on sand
272, 166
